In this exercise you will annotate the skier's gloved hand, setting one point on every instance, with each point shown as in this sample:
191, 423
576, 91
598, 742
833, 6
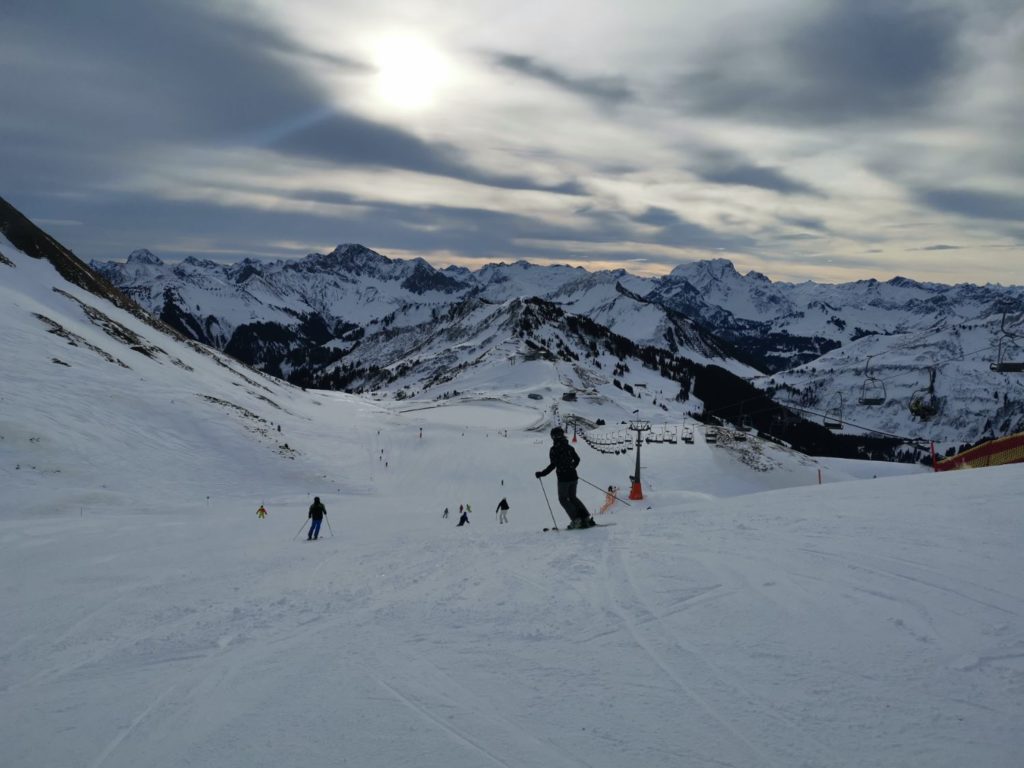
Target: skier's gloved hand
538, 474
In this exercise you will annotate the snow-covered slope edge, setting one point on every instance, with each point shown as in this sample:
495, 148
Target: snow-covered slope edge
91, 391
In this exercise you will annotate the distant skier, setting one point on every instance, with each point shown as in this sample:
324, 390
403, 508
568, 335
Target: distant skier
261, 512
564, 460
316, 514
464, 519
502, 510
469, 509
445, 515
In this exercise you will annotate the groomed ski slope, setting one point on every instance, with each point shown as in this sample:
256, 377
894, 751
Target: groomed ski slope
741, 615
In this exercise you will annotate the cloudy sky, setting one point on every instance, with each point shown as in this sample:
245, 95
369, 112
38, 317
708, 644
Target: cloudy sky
805, 139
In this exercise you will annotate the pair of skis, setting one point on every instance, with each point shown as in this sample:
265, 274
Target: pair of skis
595, 525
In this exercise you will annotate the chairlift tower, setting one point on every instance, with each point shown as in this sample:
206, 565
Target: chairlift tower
639, 426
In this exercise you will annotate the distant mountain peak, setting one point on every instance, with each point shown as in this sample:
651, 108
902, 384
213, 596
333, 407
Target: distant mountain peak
903, 282
758, 276
423, 277
707, 268
194, 261
144, 256
356, 255
351, 258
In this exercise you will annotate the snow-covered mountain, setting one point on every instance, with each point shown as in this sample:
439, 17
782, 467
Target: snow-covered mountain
758, 607
871, 341
358, 320
304, 319
782, 325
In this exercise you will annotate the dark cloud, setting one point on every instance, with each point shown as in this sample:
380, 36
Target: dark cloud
93, 87
805, 222
484, 233
658, 217
798, 237
725, 168
159, 70
850, 61
676, 231
940, 247
344, 63
975, 204
608, 91
345, 139
797, 261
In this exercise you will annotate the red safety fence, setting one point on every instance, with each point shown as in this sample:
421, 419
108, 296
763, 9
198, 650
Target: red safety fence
1005, 450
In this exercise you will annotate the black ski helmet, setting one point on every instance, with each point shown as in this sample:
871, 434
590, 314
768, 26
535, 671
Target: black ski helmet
557, 432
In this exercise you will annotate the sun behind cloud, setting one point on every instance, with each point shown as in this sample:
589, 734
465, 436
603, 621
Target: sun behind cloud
411, 71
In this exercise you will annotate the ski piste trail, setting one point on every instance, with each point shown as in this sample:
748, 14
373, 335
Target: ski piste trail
741, 615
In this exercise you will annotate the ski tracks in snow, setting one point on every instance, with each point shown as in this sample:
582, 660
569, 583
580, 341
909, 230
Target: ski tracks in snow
125, 732
476, 724
736, 714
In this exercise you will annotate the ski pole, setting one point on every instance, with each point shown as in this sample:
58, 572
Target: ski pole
548, 503
299, 531
604, 491
328, 521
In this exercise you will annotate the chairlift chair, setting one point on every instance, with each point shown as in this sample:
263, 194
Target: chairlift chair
786, 416
1010, 359
872, 391
833, 418
924, 404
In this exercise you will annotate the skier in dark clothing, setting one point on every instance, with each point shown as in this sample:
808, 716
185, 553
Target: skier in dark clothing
316, 514
564, 460
502, 510
464, 519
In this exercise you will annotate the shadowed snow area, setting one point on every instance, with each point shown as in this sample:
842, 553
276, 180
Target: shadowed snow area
740, 615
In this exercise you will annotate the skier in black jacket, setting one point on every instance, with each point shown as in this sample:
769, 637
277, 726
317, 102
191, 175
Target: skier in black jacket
564, 460
316, 515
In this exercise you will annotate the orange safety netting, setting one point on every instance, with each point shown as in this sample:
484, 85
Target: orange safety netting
1005, 450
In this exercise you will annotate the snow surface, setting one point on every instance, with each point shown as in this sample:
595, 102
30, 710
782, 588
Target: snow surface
740, 615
